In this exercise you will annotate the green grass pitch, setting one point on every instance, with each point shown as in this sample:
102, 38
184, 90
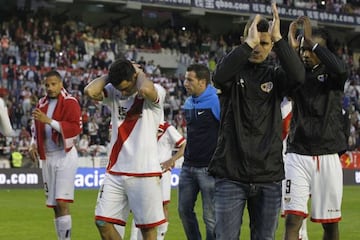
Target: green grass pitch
23, 215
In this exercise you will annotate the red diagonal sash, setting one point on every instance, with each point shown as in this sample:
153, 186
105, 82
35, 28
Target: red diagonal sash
125, 129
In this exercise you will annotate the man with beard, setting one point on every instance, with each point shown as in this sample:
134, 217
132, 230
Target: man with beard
57, 124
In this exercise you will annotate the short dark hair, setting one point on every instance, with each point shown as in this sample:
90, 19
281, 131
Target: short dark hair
201, 71
324, 34
262, 26
53, 73
120, 70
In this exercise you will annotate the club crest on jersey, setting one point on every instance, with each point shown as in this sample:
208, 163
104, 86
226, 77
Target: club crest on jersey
287, 199
241, 82
267, 87
322, 77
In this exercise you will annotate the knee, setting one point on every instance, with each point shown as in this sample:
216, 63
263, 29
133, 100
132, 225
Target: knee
180, 206
62, 208
293, 222
148, 233
183, 210
330, 227
104, 229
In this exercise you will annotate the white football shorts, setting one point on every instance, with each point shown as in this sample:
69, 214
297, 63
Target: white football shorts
320, 177
119, 194
59, 170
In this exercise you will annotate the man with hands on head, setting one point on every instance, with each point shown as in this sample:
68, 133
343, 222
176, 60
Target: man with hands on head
132, 179
248, 163
316, 135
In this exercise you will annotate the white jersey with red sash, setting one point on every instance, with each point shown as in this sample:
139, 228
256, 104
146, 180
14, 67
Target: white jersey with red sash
133, 145
168, 138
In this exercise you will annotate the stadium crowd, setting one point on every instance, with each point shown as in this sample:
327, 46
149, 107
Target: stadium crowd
32, 43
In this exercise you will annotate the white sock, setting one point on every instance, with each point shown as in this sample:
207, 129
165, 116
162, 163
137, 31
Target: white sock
303, 231
120, 229
161, 231
56, 227
63, 227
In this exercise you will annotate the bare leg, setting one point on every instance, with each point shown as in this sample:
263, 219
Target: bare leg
63, 221
292, 226
149, 233
331, 231
107, 231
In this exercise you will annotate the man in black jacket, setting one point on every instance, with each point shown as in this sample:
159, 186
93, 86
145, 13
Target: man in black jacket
316, 136
247, 162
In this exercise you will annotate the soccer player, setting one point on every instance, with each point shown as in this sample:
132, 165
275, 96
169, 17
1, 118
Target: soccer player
316, 136
132, 179
168, 139
286, 107
57, 124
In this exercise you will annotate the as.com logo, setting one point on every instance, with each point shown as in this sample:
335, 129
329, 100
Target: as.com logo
21, 178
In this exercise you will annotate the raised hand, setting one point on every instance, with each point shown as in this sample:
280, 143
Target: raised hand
252, 38
307, 28
292, 39
274, 28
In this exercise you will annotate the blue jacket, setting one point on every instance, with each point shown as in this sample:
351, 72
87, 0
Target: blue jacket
202, 115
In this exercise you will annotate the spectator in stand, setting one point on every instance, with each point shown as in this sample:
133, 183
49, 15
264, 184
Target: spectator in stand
84, 145
150, 67
10, 75
85, 120
93, 128
142, 62
157, 71
26, 99
24, 143
25, 118
24, 132
16, 159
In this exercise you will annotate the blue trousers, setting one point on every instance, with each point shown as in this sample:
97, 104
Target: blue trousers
263, 202
192, 181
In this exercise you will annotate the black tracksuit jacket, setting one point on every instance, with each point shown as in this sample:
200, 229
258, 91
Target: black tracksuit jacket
317, 125
249, 147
